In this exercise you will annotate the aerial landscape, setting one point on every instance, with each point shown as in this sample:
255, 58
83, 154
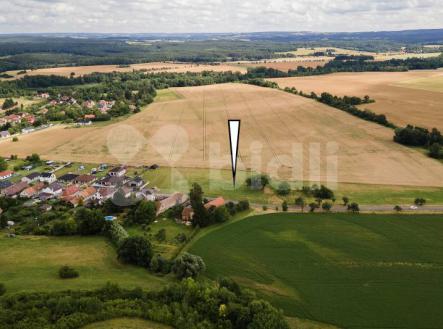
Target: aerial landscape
211, 164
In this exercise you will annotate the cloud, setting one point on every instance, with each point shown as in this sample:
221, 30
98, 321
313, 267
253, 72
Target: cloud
217, 15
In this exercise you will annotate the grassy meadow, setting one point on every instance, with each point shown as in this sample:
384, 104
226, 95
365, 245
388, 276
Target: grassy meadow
360, 271
30, 263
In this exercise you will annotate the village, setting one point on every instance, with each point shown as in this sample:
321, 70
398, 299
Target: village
47, 111
81, 187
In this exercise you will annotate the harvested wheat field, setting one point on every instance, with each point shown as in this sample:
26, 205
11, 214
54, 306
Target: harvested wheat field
149, 67
282, 134
413, 97
286, 64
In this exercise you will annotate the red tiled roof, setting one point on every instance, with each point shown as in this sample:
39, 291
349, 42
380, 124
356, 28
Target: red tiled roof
215, 203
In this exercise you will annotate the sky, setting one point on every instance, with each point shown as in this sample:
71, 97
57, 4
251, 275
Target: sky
176, 16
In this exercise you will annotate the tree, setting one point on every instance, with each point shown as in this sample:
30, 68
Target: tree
313, 206
201, 216
300, 202
257, 182
345, 200
323, 193
135, 250
420, 202
8, 103
188, 266
284, 206
34, 158
327, 206
144, 213
219, 215
354, 207
283, 188
89, 222
3, 164
436, 151
398, 208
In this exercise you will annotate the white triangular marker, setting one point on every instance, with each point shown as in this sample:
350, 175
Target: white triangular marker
234, 139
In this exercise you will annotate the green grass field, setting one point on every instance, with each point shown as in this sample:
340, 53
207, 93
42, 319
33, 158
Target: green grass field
360, 271
168, 248
31, 263
126, 323
219, 182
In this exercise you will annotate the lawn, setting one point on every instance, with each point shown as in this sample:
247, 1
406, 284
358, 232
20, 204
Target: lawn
126, 323
31, 264
361, 271
170, 246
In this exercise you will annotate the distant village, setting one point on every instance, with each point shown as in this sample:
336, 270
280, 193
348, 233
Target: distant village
23, 122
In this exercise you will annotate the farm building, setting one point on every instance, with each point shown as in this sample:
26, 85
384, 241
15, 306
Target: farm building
216, 203
174, 200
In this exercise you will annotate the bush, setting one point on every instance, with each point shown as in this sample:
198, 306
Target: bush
90, 222
66, 272
135, 250
161, 235
354, 207
15, 139
420, 202
116, 233
327, 206
63, 227
283, 189
258, 182
284, 206
188, 266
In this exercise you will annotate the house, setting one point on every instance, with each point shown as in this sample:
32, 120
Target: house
4, 134
70, 192
174, 200
30, 118
28, 167
14, 189
146, 193
87, 194
84, 179
31, 178
216, 203
114, 181
48, 177
89, 104
45, 196
43, 95
187, 214
89, 116
32, 191
117, 171
67, 178
6, 174
55, 189
13, 118
137, 182
104, 194
4, 184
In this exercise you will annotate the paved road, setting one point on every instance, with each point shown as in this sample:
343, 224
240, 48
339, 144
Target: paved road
367, 208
